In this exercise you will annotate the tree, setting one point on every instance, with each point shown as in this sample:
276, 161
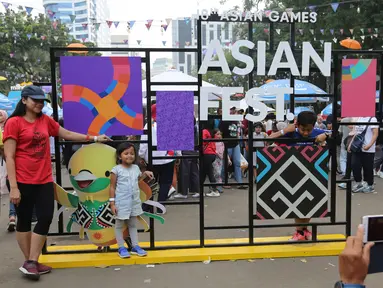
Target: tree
24, 46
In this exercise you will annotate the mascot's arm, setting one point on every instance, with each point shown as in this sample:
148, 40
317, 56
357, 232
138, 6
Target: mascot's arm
65, 198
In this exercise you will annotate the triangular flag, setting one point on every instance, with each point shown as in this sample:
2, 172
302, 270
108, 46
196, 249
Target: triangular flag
362, 30
83, 39
51, 13
322, 31
369, 30
28, 9
334, 6
301, 31
25, 58
376, 35
177, 43
352, 31
312, 31
187, 43
85, 25
164, 26
332, 31
116, 23
139, 42
6, 5
131, 24
289, 10
126, 41
335, 40
168, 20
377, 30
341, 31
254, 30
109, 23
149, 24
54, 24
97, 26
345, 57
187, 20
267, 13
266, 30
43, 37
312, 7
278, 31
322, 41
12, 55
164, 43
29, 36
363, 37
56, 38
72, 18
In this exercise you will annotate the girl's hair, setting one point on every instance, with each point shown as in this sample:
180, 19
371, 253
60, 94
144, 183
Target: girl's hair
121, 148
216, 130
21, 110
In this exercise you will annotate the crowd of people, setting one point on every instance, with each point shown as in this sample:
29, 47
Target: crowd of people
29, 179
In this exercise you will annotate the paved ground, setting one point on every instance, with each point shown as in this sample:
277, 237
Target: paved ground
182, 223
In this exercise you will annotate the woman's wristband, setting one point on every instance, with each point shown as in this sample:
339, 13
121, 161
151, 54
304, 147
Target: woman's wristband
112, 199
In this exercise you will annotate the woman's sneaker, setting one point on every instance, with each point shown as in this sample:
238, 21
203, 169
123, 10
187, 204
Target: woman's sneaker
213, 194
29, 269
368, 189
123, 253
180, 196
11, 225
43, 269
139, 251
358, 187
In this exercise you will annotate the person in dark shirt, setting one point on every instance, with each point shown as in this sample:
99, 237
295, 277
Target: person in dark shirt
304, 130
230, 130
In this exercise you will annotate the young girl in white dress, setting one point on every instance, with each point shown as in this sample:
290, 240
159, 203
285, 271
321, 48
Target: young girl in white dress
125, 198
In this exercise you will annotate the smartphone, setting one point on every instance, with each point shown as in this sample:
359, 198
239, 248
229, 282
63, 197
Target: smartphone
373, 228
373, 232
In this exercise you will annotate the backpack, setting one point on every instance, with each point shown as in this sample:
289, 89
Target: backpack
358, 140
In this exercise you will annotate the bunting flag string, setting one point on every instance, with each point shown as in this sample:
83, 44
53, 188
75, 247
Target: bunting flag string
334, 6
72, 18
126, 41
149, 24
164, 43
29, 10
278, 31
109, 23
131, 24
116, 23
164, 26
139, 42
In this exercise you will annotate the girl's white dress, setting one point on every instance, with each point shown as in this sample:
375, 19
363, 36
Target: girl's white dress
127, 197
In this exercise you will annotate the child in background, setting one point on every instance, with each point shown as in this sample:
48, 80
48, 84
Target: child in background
303, 129
125, 199
218, 162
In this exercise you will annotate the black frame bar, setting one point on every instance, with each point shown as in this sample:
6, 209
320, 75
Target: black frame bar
251, 217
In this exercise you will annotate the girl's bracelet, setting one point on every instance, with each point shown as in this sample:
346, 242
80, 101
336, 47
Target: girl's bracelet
112, 199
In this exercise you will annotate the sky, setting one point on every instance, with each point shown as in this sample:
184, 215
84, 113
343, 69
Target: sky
141, 11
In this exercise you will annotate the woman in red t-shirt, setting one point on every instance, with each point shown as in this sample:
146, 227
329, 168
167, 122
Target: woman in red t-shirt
28, 160
209, 154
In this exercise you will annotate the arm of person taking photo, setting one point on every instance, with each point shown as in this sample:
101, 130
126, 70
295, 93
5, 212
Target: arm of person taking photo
354, 261
73, 136
10, 152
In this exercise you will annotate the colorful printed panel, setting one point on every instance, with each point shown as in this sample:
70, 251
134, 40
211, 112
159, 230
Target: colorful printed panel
292, 182
358, 87
102, 95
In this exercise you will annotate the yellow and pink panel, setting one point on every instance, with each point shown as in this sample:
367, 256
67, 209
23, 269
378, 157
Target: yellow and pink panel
102, 95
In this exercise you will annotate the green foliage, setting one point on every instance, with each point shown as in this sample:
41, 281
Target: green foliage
24, 47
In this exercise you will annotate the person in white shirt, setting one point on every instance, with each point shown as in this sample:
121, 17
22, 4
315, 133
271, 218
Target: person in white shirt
365, 159
162, 168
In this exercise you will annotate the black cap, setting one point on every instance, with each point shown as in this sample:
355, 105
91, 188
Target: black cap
258, 124
34, 92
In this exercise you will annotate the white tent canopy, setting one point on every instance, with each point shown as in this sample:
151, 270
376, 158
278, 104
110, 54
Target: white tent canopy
175, 76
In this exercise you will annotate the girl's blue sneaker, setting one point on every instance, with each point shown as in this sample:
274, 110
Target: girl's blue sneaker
139, 251
123, 252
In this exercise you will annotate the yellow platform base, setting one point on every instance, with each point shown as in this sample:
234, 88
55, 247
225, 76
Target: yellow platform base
195, 254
